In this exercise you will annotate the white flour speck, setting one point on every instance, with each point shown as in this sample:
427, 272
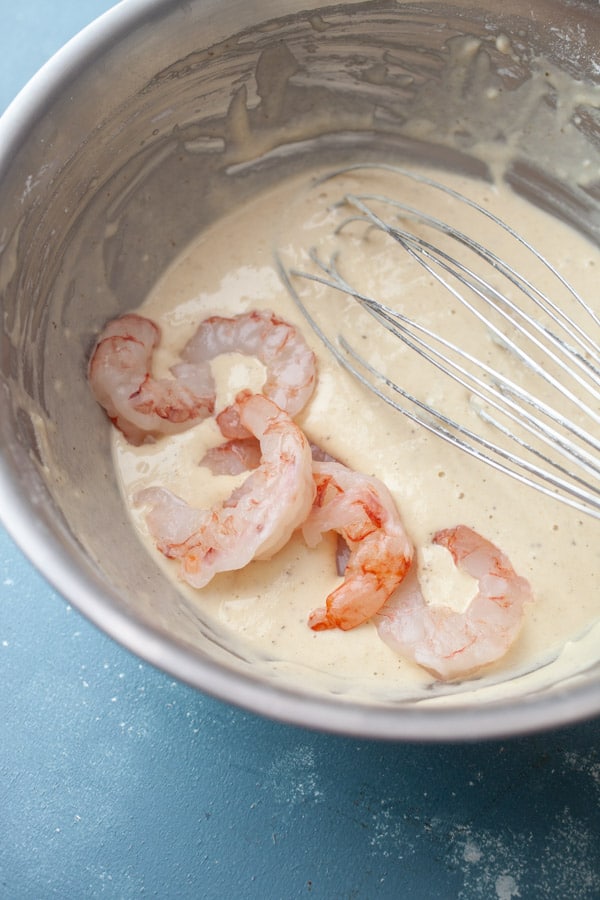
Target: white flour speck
471, 853
506, 887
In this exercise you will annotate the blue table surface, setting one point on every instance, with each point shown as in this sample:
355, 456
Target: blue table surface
116, 781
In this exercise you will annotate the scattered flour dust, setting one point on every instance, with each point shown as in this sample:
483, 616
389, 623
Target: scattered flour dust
499, 867
294, 777
585, 763
554, 855
492, 865
569, 865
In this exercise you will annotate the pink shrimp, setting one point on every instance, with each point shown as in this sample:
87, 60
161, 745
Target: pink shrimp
291, 374
257, 519
141, 406
241, 454
451, 644
362, 510
289, 361
233, 457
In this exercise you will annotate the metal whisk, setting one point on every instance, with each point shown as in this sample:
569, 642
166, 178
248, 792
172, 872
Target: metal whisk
532, 386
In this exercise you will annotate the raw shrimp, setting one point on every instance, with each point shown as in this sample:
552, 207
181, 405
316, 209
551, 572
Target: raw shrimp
362, 510
289, 361
141, 406
257, 519
241, 454
451, 644
233, 457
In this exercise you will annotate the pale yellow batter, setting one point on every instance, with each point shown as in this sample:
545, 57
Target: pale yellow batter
231, 269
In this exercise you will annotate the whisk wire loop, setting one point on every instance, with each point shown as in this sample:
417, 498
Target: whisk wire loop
497, 392
558, 453
446, 190
447, 428
539, 298
421, 251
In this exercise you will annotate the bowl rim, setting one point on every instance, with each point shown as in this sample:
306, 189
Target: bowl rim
79, 587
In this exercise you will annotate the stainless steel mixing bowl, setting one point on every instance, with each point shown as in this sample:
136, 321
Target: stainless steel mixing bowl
162, 116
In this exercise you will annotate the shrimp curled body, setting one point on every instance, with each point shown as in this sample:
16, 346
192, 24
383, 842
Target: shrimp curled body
260, 515
289, 361
363, 512
452, 644
290, 375
143, 407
